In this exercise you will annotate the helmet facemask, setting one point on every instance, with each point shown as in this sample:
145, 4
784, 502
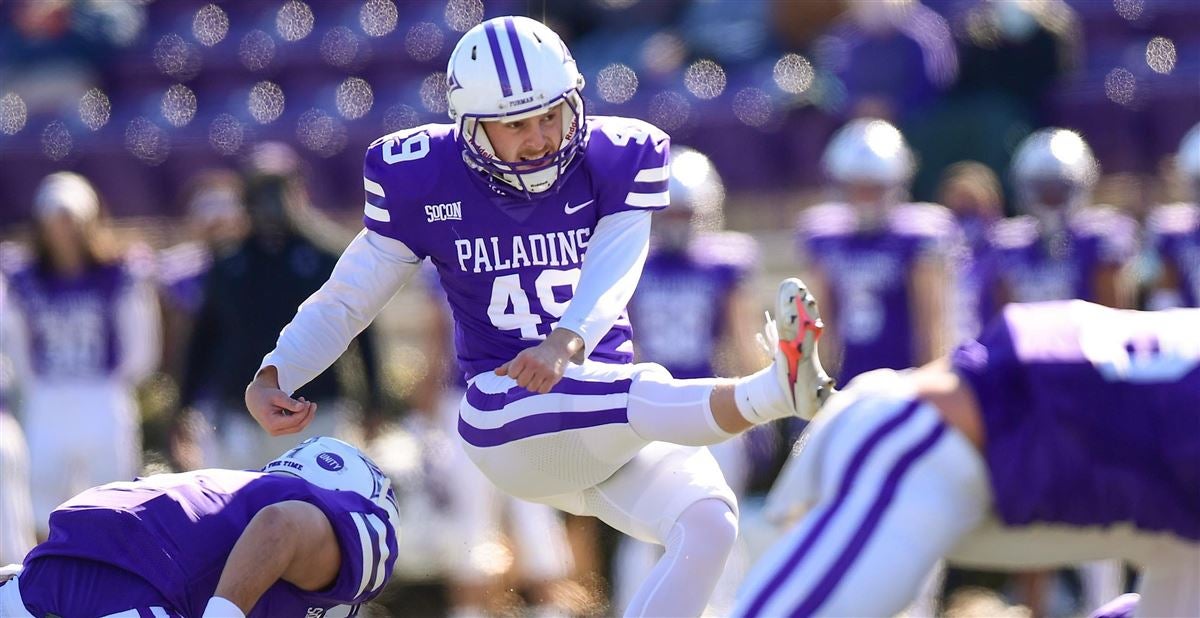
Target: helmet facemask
525, 178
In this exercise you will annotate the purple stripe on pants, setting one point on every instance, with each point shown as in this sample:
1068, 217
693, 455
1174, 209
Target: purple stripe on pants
537, 425
494, 44
807, 541
834, 575
491, 402
518, 53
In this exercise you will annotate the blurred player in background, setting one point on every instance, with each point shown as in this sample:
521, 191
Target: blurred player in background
17, 531
313, 530
1069, 431
972, 192
1175, 232
87, 332
694, 263
1061, 246
879, 264
505, 203
216, 224
249, 295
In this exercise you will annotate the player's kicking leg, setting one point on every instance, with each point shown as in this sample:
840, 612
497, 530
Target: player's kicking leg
707, 411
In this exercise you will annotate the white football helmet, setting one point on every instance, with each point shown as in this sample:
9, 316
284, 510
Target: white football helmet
1053, 168
332, 464
511, 68
869, 151
66, 192
697, 200
1187, 162
696, 187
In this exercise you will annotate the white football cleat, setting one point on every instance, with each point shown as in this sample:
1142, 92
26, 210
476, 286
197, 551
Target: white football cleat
792, 336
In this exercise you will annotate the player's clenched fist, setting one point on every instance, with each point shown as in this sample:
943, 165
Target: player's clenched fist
539, 368
278, 413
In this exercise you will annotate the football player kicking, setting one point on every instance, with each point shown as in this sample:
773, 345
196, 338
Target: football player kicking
505, 203
1068, 431
312, 531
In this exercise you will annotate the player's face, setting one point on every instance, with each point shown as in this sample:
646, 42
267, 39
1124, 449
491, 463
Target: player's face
1050, 192
528, 139
866, 193
64, 240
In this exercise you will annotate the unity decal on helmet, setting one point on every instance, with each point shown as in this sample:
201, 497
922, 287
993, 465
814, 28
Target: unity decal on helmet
330, 461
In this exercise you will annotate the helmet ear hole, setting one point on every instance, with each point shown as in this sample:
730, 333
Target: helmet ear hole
473, 49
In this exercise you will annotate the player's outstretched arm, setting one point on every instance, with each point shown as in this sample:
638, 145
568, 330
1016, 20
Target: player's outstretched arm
292, 541
369, 273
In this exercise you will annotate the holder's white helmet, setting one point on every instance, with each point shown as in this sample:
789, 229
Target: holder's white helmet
1188, 162
511, 68
332, 464
869, 150
1053, 168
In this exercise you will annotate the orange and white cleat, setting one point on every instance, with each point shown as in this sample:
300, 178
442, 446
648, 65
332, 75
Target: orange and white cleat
793, 336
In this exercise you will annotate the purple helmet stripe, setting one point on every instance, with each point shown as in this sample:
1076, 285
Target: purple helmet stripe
501, 70
522, 70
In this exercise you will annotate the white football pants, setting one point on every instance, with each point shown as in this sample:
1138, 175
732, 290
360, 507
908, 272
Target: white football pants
889, 490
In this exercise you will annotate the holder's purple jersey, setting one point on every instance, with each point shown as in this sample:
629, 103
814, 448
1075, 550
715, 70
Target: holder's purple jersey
681, 302
868, 274
1091, 414
510, 266
71, 322
175, 531
1175, 232
1035, 269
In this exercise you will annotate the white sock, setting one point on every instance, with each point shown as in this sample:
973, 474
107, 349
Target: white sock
761, 399
663, 409
697, 548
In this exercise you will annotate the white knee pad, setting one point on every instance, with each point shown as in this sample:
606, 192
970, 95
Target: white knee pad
708, 527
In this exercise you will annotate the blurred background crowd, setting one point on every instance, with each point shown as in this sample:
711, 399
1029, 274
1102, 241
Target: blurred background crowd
177, 176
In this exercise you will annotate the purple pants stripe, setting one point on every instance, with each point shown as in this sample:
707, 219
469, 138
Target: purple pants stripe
537, 425
848, 481
518, 54
820, 593
501, 70
492, 402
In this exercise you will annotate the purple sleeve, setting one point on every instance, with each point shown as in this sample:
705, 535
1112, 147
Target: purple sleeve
387, 160
367, 542
1118, 241
631, 160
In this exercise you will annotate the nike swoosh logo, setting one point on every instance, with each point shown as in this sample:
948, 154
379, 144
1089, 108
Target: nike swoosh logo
570, 211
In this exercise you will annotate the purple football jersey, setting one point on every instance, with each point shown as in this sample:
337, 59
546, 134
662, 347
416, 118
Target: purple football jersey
182, 271
681, 302
175, 531
868, 273
71, 322
509, 266
1175, 232
1034, 268
1091, 414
